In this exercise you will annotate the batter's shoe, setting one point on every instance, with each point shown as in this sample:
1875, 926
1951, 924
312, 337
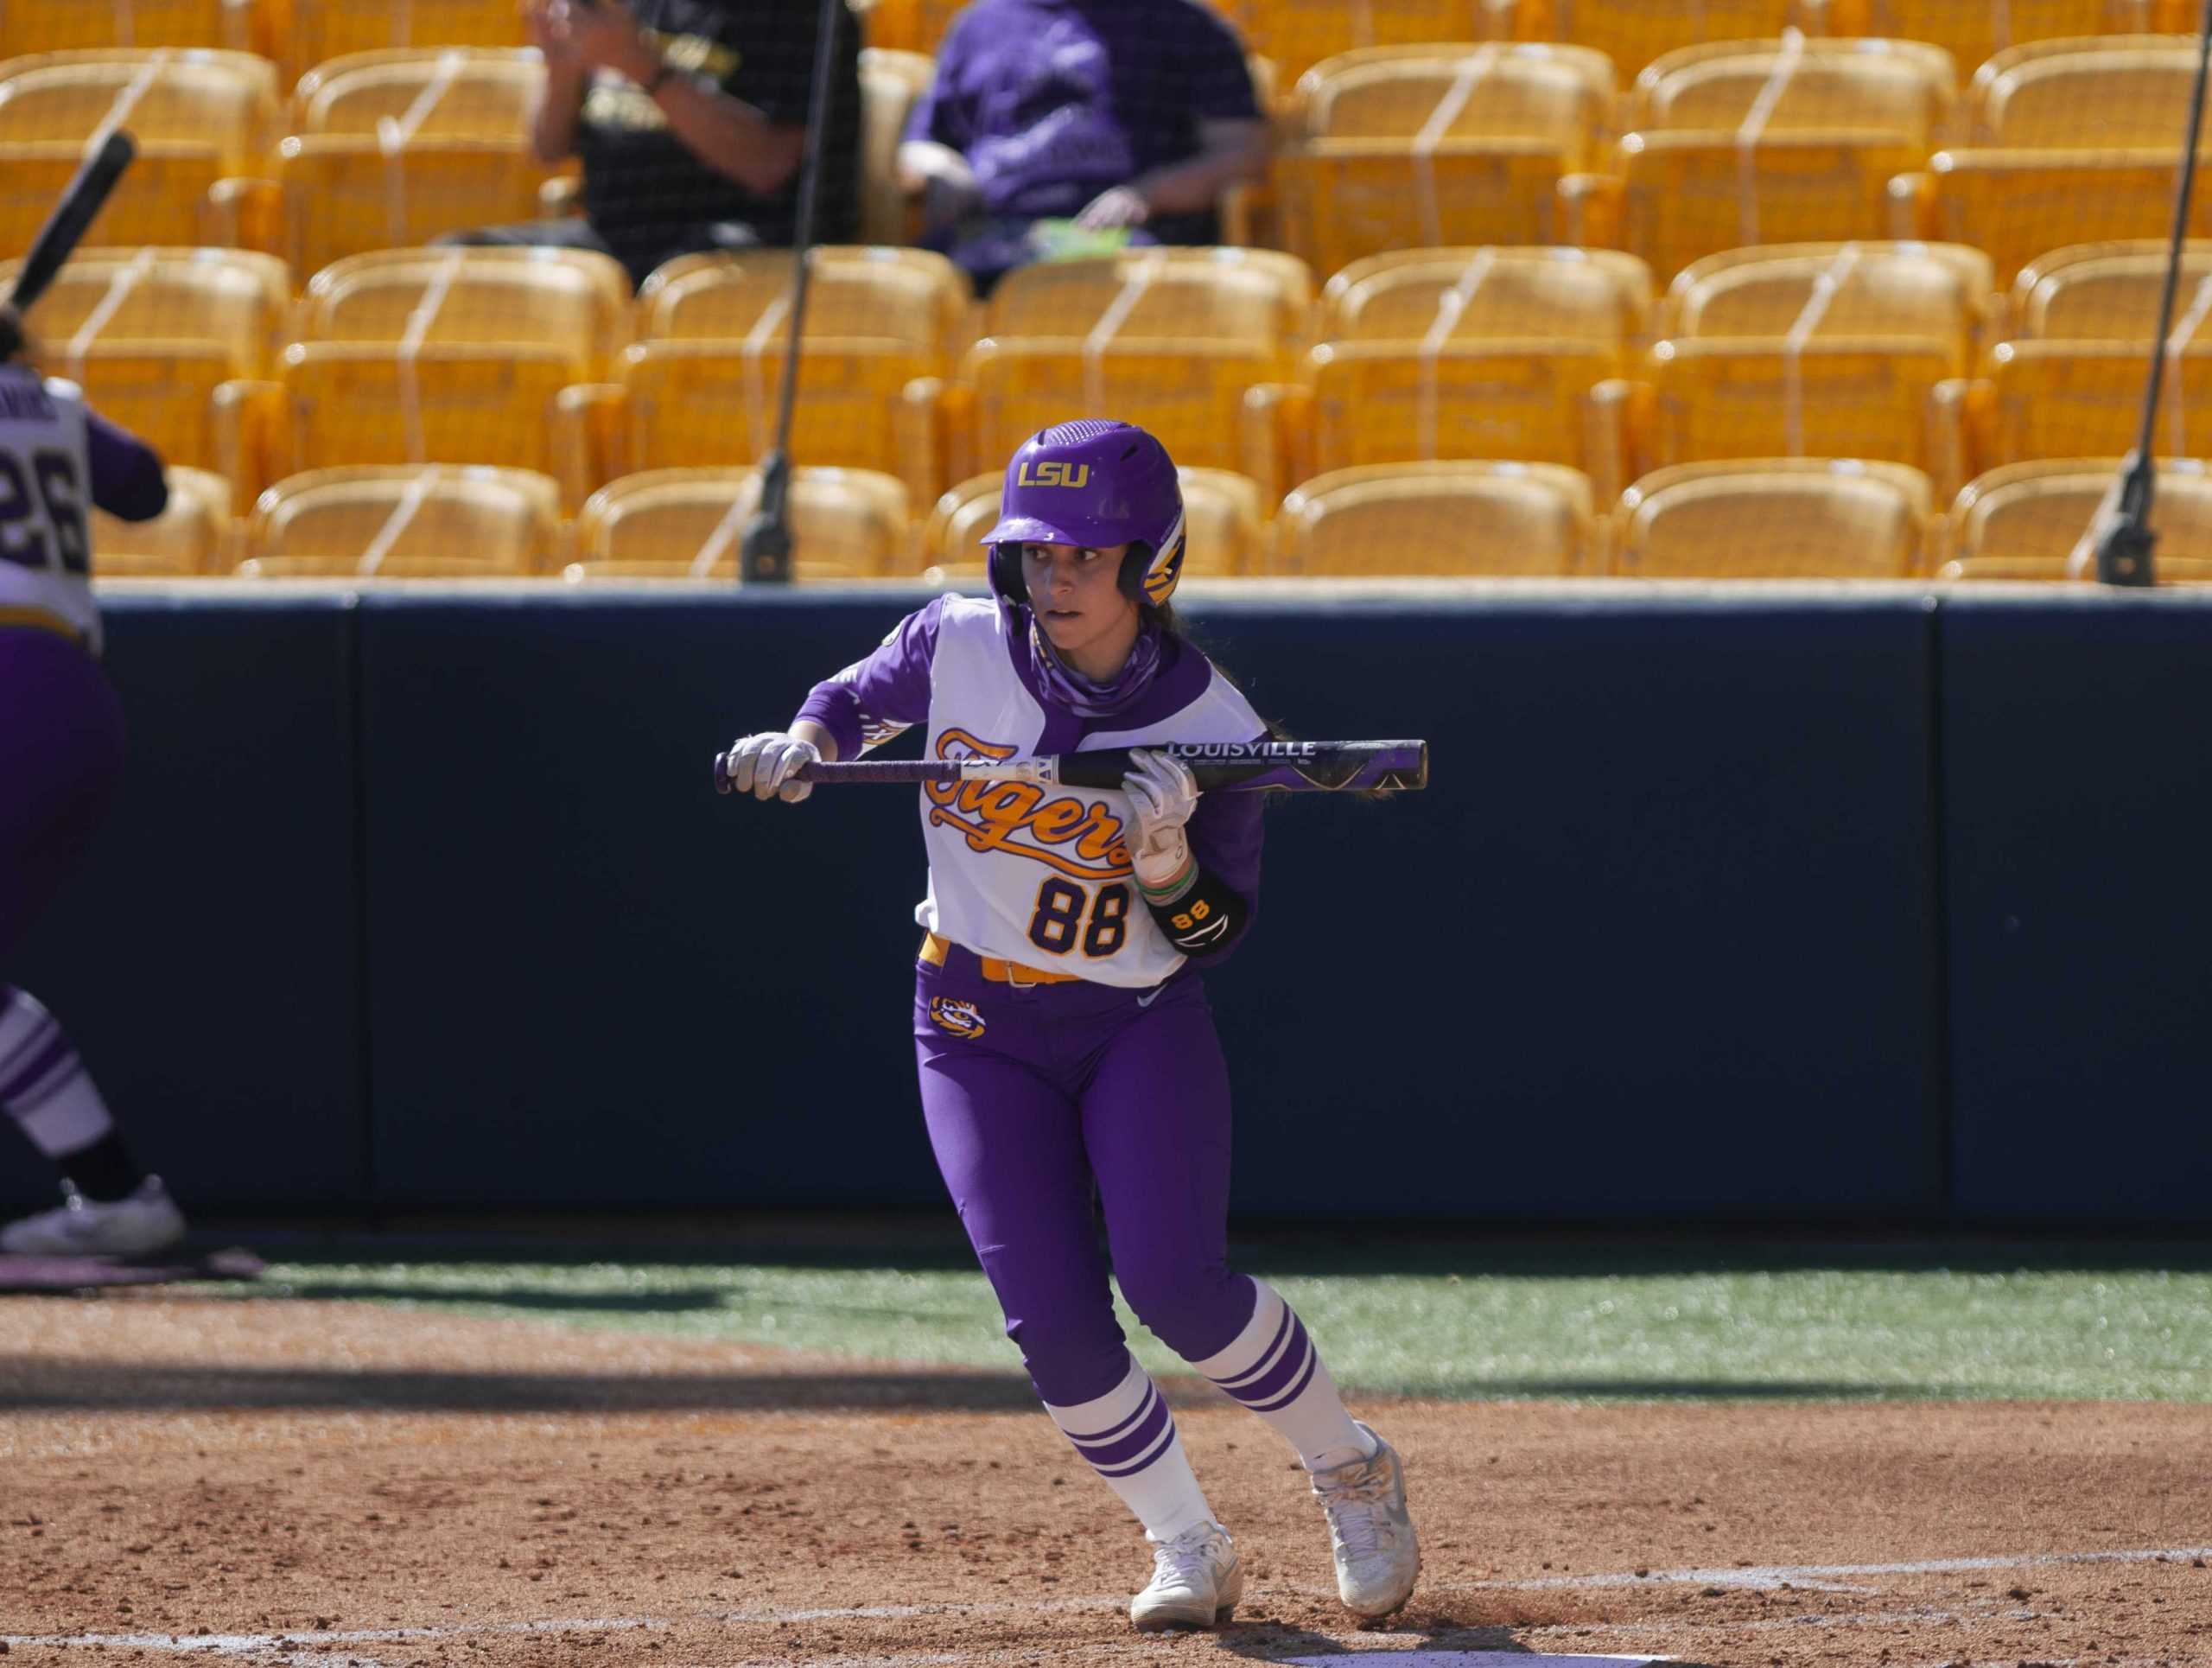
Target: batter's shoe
1370, 1532
147, 1221
1196, 1581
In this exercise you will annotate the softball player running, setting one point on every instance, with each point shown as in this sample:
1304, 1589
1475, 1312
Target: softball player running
1060, 1023
60, 754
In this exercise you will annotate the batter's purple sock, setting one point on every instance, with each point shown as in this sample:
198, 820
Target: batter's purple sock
43, 1085
1272, 1368
1130, 1437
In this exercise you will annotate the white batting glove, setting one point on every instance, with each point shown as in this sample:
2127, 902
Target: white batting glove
762, 765
1163, 794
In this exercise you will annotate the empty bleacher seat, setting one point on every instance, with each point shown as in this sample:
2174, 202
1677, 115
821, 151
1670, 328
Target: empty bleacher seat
908, 25
1221, 511
191, 535
422, 522
1973, 30
349, 193
324, 29
2025, 520
1634, 32
150, 333
1256, 296
573, 301
1934, 292
28, 26
2112, 91
2112, 292
1295, 35
2045, 399
1466, 91
1598, 297
221, 102
1775, 519
2016, 205
910, 295
429, 93
689, 524
891, 83
172, 194
1795, 85
1440, 519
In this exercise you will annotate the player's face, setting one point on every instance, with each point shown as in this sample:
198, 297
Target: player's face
1074, 592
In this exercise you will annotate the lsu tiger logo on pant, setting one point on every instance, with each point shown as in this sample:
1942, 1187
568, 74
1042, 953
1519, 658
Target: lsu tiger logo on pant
957, 1017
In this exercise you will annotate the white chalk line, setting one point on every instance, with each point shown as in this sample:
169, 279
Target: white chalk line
1801, 1577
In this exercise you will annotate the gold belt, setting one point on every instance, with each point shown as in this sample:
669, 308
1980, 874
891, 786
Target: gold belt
40, 619
999, 973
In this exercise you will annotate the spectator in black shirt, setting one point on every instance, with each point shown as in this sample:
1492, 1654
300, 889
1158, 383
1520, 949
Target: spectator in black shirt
689, 116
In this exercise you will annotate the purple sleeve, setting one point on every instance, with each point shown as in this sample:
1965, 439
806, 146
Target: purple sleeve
939, 114
1225, 833
872, 700
127, 480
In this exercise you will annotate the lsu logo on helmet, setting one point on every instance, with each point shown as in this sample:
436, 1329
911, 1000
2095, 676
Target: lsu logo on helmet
958, 1018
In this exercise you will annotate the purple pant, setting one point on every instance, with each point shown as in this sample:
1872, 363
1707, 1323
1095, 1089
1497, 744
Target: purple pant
60, 758
1035, 1098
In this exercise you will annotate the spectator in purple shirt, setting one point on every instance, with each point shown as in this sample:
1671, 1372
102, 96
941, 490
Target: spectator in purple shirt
1134, 115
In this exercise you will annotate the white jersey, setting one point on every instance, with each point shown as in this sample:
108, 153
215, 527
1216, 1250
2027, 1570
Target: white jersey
45, 500
1030, 873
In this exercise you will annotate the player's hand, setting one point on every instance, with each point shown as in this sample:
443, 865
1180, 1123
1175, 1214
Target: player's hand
549, 29
604, 36
1163, 794
1116, 207
763, 765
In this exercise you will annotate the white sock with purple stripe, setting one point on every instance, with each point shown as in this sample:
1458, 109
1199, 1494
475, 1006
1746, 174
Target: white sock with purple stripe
1274, 1369
43, 1085
1130, 1437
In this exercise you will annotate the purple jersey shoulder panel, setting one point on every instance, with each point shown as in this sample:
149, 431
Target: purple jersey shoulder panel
127, 479
872, 700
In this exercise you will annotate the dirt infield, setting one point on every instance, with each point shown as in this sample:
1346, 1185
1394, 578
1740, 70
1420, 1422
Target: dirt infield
337, 1484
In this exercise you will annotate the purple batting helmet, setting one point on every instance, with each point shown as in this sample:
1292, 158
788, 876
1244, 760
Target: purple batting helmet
1093, 483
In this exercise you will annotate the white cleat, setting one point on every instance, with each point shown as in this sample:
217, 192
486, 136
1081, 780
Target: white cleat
1196, 1581
1370, 1532
147, 1221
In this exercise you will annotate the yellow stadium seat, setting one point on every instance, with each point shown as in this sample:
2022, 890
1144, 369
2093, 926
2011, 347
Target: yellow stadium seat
2025, 520
1775, 519
846, 523
1439, 519
1933, 292
1296, 35
356, 403
1597, 296
690, 403
1504, 90
1222, 514
2016, 205
2112, 93
171, 194
1794, 85
324, 29
2111, 292
149, 335
344, 195
1840, 397
28, 26
1346, 198
572, 301
1634, 32
891, 82
908, 25
910, 295
1684, 196
191, 536
2044, 399
433, 522
217, 101
1190, 393
1971, 30
1259, 296
428, 92
1382, 402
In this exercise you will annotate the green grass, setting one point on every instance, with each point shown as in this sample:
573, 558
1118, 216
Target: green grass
1595, 1324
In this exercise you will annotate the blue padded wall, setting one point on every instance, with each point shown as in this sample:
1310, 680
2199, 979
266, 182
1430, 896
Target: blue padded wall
205, 959
2078, 851
1660, 940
